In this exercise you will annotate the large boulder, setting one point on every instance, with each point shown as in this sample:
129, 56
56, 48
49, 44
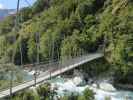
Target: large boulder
107, 87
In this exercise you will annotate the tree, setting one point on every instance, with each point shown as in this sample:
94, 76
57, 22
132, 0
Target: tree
70, 47
88, 94
44, 91
7, 25
32, 51
26, 95
40, 5
25, 14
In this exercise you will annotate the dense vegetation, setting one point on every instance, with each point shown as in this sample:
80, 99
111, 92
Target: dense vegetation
72, 27
6, 75
43, 92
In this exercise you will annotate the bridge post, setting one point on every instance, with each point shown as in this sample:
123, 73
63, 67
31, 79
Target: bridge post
35, 76
50, 70
11, 83
52, 55
105, 43
37, 37
21, 52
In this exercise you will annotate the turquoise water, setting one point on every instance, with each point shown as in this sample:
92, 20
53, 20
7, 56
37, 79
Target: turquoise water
21, 74
118, 95
68, 87
26, 76
57, 79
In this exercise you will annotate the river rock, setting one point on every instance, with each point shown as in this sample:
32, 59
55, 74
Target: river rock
107, 87
94, 85
77, 80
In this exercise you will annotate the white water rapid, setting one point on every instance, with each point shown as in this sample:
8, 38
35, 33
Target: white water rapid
68, 86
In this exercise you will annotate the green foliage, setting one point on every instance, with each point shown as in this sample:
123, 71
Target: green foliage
2, 46
81, 98
97, 68
6, 25
26, 95
73, 26
25, 14
70, 47
119, 34
32, 49
107, 98
44, 91
46, 45
40, 5
88, 94
71, 97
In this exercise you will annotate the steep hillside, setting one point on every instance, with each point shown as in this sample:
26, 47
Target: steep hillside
6, 12
73, 26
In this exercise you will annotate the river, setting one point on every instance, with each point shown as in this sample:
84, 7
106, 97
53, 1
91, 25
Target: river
76, 85
68, 86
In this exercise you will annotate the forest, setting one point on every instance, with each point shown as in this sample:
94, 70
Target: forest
72, 26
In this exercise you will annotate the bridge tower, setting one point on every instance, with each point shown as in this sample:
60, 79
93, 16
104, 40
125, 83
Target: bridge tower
14, 52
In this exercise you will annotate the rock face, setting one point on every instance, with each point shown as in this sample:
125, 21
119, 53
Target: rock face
6, 12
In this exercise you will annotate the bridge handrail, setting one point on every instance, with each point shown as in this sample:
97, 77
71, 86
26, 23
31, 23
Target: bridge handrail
82, 57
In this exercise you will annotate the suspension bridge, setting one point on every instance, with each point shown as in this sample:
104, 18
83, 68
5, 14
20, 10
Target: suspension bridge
51, 69
56, 69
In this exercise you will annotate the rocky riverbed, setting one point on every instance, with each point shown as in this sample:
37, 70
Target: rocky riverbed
76, 85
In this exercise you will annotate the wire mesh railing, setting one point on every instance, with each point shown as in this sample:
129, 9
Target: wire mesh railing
53, 67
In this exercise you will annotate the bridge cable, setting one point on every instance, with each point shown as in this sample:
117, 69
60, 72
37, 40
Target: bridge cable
28, 3
14, 51
37, 38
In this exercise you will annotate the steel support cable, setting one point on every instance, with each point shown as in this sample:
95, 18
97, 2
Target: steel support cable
53, 46
38, 46
57, 59
16, 30
58, 55
49, 44
14, 51
21, 51
28, 3
20, 46
52, 52
5, 54
51, 55
37, 38
1, 48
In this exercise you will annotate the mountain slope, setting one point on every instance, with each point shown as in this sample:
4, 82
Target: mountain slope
74, 26
6, 12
